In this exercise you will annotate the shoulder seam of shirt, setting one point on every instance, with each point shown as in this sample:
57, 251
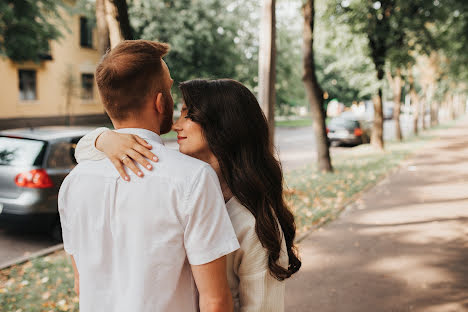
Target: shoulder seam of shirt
191, 180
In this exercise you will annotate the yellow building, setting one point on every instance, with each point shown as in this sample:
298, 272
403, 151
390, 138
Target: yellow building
59, 89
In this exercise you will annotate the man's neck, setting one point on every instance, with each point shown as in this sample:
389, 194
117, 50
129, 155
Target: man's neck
154, 127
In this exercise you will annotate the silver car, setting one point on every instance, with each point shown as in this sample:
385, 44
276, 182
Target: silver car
347, 129
33, 164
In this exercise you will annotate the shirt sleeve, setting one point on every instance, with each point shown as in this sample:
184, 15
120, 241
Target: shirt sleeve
66, 218
258, 289
86, 147
208, 231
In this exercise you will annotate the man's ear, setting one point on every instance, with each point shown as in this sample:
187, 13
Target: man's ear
159, 103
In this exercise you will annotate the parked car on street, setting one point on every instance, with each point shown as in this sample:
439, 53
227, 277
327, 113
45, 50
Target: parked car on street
33, 164
347, 129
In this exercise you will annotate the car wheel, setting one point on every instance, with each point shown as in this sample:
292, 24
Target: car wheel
56, 231
365, 139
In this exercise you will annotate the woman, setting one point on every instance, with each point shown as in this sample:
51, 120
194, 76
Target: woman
222, 124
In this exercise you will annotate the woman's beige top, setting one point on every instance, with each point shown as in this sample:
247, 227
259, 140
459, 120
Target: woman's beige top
252, 286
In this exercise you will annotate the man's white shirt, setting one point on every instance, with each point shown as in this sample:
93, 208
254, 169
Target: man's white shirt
134, 242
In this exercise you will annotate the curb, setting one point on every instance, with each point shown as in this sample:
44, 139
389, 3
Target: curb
39, 253
350, 202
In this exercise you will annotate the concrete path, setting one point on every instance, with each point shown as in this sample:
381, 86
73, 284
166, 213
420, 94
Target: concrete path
402, 247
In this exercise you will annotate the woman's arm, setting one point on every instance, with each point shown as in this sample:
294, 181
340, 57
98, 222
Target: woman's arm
212, 286
122, 150
86, 149
77, 276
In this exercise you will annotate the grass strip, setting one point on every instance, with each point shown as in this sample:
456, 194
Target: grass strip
317, 197
294, 123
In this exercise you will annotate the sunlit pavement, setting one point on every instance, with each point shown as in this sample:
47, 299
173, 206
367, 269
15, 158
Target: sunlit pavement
402, 247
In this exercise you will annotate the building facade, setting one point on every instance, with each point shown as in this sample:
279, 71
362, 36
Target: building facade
60, 89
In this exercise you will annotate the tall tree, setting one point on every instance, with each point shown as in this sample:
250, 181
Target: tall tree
314, 91
267, 63
343, 67
409, 30
102, 28
372, 18
207, 39
27, 26
415, 101
117, 20
396, 83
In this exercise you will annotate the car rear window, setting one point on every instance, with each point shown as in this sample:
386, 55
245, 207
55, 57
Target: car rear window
21, 152
344, 123
61, 155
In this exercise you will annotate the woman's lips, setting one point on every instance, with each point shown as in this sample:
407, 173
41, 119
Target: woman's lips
180, 138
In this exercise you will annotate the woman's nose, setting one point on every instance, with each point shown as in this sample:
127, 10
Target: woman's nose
175, 125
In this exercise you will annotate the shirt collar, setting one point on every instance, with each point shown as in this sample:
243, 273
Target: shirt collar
143, 133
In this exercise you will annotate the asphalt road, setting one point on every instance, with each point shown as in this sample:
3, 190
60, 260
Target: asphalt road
295, 146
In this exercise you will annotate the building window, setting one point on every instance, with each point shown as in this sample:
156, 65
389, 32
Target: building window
87, 86
86, 33
27, 85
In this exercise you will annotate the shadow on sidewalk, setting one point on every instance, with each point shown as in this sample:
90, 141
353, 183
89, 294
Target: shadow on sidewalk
403, 273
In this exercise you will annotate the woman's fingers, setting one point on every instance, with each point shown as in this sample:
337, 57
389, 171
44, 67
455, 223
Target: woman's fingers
128, 162
146, 153
120, 168
142, 142
136, 156
144, 148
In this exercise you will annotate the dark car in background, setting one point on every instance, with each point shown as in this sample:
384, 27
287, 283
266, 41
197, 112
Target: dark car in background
347, 129
33, 164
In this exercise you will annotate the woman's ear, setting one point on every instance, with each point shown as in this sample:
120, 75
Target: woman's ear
159, 103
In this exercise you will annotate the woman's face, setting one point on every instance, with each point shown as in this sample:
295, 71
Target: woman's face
190, 137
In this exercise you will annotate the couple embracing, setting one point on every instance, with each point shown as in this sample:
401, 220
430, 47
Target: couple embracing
203, 229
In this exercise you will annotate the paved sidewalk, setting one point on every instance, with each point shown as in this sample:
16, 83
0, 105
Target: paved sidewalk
402, 247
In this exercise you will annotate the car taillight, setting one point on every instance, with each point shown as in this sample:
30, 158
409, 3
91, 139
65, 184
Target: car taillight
328, 130
37, 178
357, 132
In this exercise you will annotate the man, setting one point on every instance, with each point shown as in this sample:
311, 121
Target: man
146, 244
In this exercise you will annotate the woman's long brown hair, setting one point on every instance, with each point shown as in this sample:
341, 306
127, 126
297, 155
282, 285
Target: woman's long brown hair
237, 133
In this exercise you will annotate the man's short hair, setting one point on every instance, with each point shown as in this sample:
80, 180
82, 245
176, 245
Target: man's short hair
129, 74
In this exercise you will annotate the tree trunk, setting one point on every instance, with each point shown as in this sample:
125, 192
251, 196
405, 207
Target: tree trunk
117, 21
377, 128
434, 113
396, 85
429, 98
414, 100
122, 17
423, 114
451, 107
314, 92
267, 64
102, 29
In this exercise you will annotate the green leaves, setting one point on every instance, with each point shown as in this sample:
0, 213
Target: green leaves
202, 35
27, 26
